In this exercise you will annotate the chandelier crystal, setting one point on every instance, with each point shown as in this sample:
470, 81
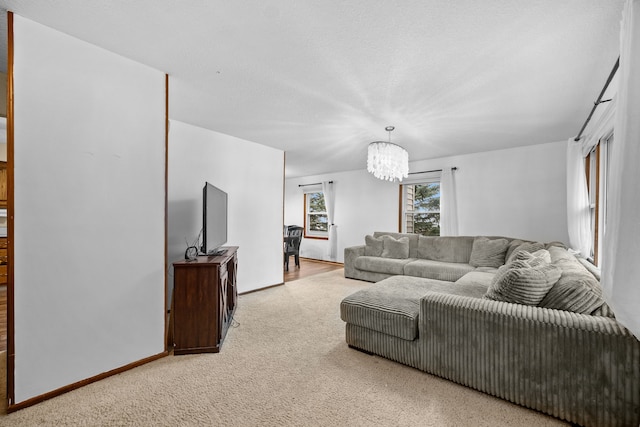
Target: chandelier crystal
387, 161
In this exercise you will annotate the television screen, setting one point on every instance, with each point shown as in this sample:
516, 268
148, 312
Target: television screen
214, 219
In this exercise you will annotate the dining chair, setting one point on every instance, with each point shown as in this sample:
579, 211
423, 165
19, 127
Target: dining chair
292, 245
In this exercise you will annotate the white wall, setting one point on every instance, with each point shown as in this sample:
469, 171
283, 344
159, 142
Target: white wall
363, 204
518, 192
89, 210
252, 175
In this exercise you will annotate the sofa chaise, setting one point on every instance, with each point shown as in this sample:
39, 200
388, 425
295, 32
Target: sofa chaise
519, 320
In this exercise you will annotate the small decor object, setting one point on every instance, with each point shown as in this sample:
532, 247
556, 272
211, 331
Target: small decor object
388, 161
191, 253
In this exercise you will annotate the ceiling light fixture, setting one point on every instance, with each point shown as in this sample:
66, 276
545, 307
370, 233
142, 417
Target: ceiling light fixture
388, 161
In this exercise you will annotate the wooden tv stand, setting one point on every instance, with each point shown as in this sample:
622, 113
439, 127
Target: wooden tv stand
204, 300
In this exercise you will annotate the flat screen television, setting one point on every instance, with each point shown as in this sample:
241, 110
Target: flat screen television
214, 220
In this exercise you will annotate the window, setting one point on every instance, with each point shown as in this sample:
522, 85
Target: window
597, 171
316, 222
420, 208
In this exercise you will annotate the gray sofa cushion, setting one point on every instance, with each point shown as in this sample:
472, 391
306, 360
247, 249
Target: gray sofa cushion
373, 246
392, 305
395, 248
521, 283
488, 253
382, 265
447, 249
437, 269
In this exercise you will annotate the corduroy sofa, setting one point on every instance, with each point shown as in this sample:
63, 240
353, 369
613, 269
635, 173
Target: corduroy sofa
534, 330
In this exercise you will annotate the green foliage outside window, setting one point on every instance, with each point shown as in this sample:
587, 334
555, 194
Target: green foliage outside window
318, 220
423, 209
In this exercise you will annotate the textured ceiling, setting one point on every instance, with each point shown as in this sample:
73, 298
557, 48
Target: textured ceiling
321, 79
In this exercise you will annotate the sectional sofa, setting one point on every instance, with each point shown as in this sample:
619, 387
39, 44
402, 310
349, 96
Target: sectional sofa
520, 320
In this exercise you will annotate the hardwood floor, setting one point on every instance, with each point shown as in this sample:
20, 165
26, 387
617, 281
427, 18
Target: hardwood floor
309, 267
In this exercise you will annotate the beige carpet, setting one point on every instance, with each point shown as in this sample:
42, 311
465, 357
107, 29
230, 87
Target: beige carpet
286, 363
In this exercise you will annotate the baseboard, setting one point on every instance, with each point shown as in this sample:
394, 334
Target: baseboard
260, 289
41, 398
322, 261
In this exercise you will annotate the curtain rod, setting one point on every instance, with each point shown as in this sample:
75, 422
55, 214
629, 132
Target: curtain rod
315, 183
435, 170
599, 101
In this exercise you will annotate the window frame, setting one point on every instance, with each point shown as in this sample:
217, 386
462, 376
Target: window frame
309, 234
403, 202
597, 171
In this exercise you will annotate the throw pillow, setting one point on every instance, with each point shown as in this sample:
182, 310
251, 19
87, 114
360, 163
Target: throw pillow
512, 246
534, 259
395, 248
527, 247
573, 294
373, 246
604, 310
521, 283
577, 290
488, 253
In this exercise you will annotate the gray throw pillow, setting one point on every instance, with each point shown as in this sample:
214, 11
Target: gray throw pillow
512, 246
520, 283
393, 248
373, 246
527, 247
488, 253
577, 290
534, 259
573, 294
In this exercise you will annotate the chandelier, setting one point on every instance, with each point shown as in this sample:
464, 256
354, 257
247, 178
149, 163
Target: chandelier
388, 161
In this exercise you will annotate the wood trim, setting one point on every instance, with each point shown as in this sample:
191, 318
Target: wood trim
323, 261
11, 349
261, 289
588, 174
82, 383
166, 210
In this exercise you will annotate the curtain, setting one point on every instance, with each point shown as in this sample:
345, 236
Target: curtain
448, 204
620, 263
330, 203
578, 214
